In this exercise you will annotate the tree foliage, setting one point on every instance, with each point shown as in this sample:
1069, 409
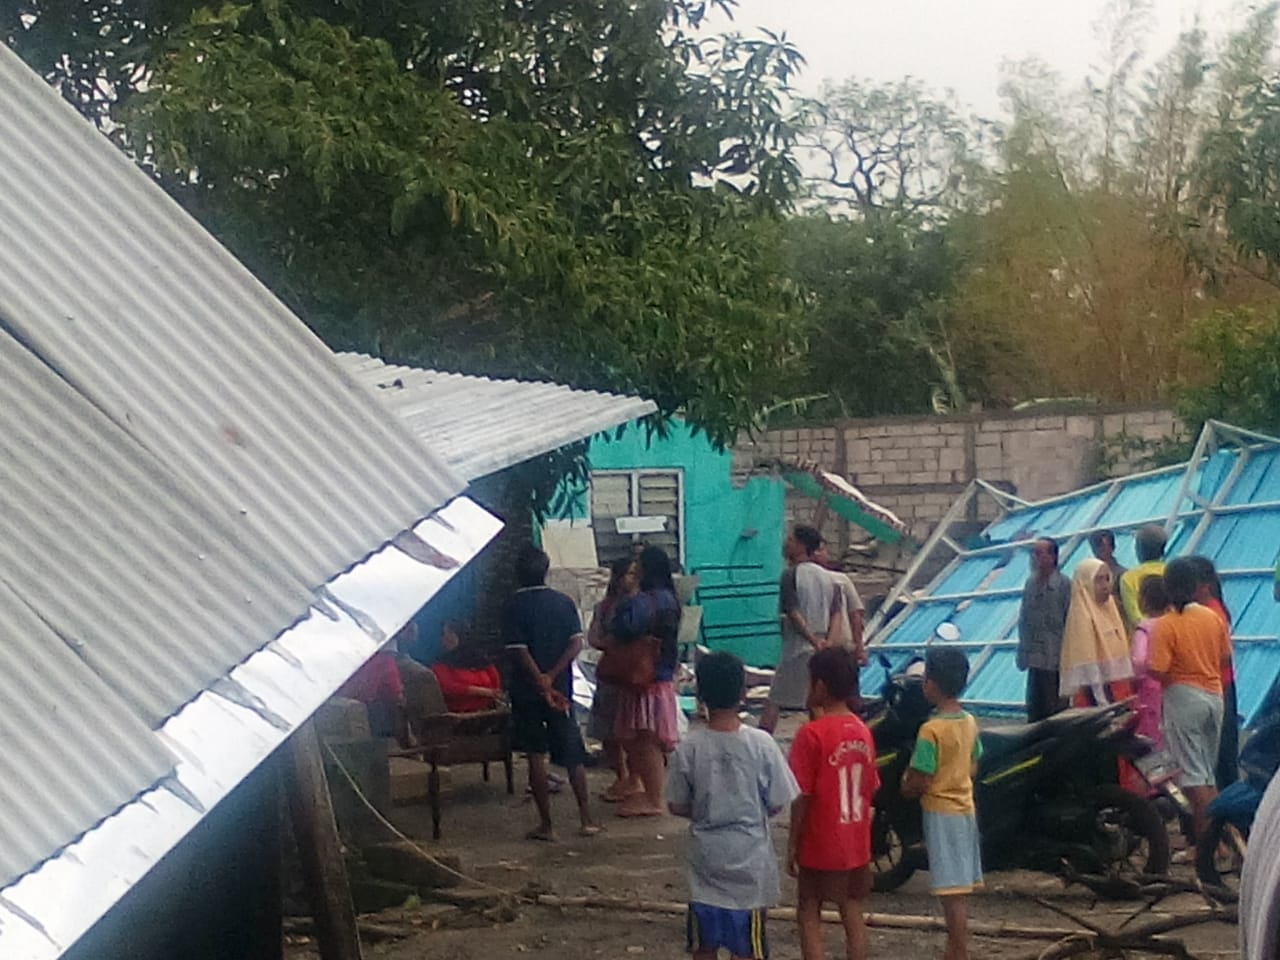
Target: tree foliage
890, 149
1239, 351
1246, 176
585, 192
876, 295
607, 194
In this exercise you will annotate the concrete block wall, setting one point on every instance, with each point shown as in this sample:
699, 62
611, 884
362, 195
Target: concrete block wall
821, 444
918, 466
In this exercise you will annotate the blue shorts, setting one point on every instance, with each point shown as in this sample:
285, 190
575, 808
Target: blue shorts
741, 932
955, 852
536, 728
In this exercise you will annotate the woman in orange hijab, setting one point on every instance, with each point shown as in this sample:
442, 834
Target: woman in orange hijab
1096, 664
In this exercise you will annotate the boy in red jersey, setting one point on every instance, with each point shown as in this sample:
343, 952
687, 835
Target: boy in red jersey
834, 760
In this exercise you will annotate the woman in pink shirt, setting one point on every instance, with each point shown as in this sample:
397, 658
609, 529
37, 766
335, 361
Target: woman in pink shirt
1153, 600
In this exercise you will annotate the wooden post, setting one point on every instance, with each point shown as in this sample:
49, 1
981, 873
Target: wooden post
316, 830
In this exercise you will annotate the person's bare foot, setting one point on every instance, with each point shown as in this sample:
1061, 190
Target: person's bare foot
638, 807
618, 791
542, 834
590, 830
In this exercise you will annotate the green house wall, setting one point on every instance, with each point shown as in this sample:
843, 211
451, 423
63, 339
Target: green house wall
732, 534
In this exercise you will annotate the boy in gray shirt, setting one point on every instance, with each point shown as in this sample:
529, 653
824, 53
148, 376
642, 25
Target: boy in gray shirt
728, 780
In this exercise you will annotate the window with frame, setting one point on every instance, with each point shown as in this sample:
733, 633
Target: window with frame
635, 496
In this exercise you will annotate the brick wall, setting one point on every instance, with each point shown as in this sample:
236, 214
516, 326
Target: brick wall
918, 466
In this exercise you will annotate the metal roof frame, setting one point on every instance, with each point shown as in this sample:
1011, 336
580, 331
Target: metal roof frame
1190, 508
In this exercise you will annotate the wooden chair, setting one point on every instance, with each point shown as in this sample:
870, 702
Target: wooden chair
445, 739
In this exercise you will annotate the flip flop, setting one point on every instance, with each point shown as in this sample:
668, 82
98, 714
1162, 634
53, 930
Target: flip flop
591, 830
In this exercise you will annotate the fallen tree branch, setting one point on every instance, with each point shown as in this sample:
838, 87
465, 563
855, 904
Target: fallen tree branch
373, 932
1144, 939
885, 921
1074, 918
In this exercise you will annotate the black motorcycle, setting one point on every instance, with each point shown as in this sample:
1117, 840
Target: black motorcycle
1047, 793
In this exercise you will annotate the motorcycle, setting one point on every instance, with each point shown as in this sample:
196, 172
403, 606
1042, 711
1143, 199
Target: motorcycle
1220, 852
1046, 793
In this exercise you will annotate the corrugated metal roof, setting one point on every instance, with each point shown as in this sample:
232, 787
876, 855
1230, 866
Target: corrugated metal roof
221, 736
480, 426
183, 465
73, 750
1223, 504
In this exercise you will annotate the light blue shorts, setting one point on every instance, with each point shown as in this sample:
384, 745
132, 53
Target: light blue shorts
955, 852
1192, 723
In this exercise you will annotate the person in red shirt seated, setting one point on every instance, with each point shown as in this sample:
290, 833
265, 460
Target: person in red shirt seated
379, 687
469, 682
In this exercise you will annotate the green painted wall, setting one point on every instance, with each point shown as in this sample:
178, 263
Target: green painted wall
725, 526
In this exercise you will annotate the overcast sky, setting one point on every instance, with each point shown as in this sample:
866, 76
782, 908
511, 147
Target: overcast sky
959, 44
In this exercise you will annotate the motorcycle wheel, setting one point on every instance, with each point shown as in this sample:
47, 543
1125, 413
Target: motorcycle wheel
1220, 855
1143, 833
891, 862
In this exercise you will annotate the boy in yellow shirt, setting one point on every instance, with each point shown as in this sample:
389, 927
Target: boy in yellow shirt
941, 773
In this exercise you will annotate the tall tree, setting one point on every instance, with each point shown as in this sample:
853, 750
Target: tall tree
1170, 122
890, 149
590, 192
1120, 32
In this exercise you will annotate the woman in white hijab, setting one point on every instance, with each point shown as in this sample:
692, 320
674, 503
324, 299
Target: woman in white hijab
1096, 665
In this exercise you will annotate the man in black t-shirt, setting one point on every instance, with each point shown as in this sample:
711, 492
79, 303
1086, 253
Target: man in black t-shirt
542, 628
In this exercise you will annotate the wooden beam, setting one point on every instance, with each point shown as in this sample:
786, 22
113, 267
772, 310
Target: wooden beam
316, 830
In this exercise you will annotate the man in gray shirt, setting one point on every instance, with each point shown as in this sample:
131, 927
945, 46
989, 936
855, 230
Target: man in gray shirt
1041, 623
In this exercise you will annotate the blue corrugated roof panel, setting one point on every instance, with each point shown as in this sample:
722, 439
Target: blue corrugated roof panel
1243, 543
920, 624
998, 680
1259, 481
1254, 612
1148, 498
987, 618
1067, 513
1213, 473
967, 576
1016, 570
1257, 669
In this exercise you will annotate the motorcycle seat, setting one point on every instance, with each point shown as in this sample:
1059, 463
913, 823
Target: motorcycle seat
1009, 738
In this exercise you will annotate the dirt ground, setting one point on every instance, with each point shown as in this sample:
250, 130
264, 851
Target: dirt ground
642, 860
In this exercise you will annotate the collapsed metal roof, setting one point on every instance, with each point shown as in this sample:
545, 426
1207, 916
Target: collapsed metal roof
187, 474
480, 426
1224, 503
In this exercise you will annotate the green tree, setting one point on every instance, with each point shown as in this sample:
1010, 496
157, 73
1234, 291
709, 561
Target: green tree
876, 292
587, 192
1245, 167
891, 165
1239, 378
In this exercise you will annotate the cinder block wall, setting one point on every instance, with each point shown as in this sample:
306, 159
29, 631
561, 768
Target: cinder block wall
918, 466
